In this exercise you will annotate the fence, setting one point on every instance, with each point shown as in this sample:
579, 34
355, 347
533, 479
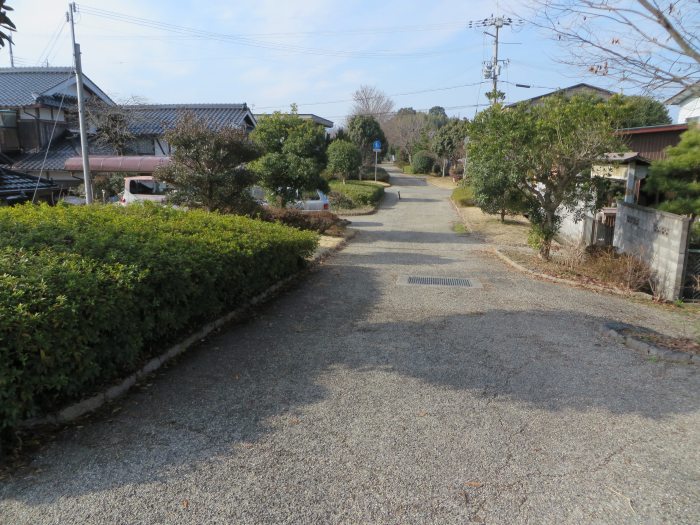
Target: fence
658, 237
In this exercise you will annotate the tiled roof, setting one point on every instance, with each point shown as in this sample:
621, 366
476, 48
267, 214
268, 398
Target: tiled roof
61, 149
15, 183
23, 86
19, 85
156, 119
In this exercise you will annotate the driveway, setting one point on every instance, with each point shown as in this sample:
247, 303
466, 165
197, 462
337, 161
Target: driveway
355, 398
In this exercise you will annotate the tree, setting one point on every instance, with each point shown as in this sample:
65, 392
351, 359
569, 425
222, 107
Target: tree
363, 130
637, 112
643, 42
448, 142
437, 117
405, 130
295, 154
373, 102
208, 167
544, 151
344, 159
112, 123
6, 25
678, 175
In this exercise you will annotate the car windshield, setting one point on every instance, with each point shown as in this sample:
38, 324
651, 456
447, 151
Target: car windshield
147, 187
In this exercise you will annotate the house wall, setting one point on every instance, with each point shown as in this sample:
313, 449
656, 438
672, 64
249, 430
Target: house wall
659, 238
690, 109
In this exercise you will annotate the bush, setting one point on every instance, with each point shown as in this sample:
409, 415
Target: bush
368, 174
89, 293
318, 221
407, 169
464, 196
359, 193
423, 162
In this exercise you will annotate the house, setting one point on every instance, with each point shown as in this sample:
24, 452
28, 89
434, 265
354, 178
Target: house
688, 101
576, 89
38, 117
16, 187
150, 122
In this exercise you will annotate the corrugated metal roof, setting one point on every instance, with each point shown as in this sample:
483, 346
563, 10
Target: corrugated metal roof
15, 183
156, 119
128, 164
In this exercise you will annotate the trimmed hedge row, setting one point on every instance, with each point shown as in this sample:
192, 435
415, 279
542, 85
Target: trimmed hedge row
368, 174
88, 293
355, 193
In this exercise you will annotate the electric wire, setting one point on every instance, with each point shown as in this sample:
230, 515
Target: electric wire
246, 41
432, 90
48, 147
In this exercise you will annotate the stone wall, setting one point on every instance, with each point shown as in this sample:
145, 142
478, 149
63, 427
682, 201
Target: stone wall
658, 237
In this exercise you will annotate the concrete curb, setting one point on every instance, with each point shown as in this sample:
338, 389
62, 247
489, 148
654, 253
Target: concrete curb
645, 348
91, 404
569, 282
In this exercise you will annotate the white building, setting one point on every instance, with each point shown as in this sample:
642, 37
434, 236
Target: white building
688, 101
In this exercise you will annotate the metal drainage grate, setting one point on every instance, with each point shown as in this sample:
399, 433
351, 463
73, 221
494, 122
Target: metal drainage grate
457, 282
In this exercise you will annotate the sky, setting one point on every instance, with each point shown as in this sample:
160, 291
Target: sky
272, 53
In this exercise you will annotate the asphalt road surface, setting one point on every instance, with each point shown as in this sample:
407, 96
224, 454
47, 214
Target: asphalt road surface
358, 398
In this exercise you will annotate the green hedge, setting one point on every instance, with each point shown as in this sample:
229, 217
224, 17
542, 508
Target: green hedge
355, 194
368, 174
87, 294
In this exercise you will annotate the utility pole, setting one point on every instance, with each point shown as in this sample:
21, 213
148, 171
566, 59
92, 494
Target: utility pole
492, 68
81, 106
12, 56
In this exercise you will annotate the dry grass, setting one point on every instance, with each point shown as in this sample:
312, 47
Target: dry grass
489, 228
442, 182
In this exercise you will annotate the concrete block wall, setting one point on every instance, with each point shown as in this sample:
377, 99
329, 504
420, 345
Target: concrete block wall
658, 237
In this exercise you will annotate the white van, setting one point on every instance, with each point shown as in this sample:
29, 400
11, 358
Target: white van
143, 188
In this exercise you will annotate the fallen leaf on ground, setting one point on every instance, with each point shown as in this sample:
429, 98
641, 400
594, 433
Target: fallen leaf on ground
473, 484
185, 504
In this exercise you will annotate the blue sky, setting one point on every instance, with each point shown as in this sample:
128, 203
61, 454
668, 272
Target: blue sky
271, 53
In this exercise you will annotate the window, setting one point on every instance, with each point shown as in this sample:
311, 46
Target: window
147, 187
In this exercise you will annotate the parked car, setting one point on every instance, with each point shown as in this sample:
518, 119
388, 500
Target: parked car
143, 188
311, 201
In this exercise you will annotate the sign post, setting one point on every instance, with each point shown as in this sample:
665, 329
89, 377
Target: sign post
377, 147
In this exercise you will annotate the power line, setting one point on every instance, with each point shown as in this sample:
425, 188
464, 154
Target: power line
250, 42
379, 96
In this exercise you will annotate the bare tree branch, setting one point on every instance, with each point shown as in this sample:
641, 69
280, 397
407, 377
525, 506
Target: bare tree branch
634, 41
372, 101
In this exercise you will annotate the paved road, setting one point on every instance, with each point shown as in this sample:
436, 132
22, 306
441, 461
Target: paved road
354, 399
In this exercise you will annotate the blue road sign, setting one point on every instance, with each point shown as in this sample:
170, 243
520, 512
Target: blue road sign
377, 145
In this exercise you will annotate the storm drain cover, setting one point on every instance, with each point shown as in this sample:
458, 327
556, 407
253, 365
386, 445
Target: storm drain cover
454, 282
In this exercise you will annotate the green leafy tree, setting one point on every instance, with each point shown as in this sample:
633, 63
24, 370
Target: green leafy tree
678, 175
437, 118
545, 152
208, 168
295, 154
344, 159
363, 130
448, 142
6, 25
637, 111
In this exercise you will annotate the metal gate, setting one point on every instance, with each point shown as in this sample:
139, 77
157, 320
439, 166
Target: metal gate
604, 230
691, 290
